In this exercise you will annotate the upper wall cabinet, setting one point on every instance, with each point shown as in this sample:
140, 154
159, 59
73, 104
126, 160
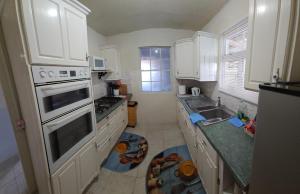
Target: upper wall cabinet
270, 32
197, 57
205, 56
184, 66
112, 56
56, 32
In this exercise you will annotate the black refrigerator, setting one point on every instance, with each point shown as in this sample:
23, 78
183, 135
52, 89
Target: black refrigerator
276, 159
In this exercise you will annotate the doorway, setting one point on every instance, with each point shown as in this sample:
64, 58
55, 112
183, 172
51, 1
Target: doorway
12, 179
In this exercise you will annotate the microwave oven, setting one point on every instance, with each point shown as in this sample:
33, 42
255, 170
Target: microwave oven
97, 63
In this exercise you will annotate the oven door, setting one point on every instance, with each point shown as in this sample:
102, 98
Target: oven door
57, 99
66, 135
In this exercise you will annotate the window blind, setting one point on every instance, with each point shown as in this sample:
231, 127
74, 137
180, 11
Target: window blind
233, 61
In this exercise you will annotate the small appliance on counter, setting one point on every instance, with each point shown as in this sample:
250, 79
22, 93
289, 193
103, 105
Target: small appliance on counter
113, 89
195, 91
181, 89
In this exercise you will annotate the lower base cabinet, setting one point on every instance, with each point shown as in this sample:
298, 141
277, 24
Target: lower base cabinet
202, 153
75, 175
88, 166
79, 171
109, 131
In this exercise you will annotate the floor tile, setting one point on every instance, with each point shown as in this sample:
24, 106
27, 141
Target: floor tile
140, 186
159, 137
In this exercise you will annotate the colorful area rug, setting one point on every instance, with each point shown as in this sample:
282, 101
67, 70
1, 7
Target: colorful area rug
173, 172
128, 153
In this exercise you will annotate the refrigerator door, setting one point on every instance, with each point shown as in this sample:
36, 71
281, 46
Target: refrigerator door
276, 160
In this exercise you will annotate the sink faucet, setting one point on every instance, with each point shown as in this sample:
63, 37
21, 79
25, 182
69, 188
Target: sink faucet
218, 104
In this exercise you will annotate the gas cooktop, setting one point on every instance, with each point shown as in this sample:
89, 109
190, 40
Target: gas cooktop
105, 103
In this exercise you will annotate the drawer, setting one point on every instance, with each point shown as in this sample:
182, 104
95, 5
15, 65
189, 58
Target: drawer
103, 150
104, 133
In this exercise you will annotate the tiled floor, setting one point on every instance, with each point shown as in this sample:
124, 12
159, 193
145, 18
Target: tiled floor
13, 181
133, 182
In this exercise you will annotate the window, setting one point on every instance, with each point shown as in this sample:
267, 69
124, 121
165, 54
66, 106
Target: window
155, 69
233, 62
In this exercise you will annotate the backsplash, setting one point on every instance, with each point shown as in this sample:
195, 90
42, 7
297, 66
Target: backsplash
210, 89
99, 86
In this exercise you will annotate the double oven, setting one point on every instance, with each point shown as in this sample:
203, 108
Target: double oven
64, 97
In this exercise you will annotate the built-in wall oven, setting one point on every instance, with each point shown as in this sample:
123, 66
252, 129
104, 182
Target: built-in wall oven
64, 97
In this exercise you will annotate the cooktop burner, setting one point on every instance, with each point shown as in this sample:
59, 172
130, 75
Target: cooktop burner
104, 103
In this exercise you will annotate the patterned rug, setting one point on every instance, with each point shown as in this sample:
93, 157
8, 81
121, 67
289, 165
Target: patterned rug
173, 172
128, 153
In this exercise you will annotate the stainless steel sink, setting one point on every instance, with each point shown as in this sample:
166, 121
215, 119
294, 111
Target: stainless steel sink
215, 115
205, 108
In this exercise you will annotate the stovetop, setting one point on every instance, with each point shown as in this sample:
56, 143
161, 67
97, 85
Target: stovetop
104, 103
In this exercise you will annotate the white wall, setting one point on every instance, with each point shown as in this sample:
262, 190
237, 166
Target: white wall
158, 108
232, 12
95, 42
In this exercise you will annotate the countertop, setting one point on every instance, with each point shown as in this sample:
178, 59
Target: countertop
100, 116
231, 143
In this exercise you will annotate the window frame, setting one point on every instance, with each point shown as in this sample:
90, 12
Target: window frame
160, 70
247, 95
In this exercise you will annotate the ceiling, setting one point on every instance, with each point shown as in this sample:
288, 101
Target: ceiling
110, 17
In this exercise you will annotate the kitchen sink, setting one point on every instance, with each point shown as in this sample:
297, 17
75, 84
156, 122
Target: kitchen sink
215, 115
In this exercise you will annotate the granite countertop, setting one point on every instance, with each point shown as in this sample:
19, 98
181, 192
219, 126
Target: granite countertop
100, 116
231, 143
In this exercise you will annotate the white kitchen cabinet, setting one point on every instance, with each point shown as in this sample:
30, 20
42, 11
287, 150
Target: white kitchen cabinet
112, 57
56, 32
210, 176
269, 31
65, 181
88, 166
79, 171
184, 66
205, 56
109, 131
76, 32
203, 154
197, 57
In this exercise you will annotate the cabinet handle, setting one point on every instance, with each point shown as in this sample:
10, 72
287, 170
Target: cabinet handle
86, 56
177, 72
209, 164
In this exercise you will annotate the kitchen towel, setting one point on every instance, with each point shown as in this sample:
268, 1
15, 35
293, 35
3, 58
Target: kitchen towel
236, 122
195, 117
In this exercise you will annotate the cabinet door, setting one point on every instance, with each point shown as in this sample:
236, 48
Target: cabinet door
184, 59
88, 166
44, 31
210, 177
191, 141
65, 181
200, 158
208, 58
268, 34
76, 36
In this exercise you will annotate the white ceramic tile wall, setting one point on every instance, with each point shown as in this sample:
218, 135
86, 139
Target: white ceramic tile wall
99, 86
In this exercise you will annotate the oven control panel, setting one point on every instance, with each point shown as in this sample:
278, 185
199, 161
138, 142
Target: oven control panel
43, 74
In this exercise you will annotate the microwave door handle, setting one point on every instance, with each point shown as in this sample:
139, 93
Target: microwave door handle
54, 124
